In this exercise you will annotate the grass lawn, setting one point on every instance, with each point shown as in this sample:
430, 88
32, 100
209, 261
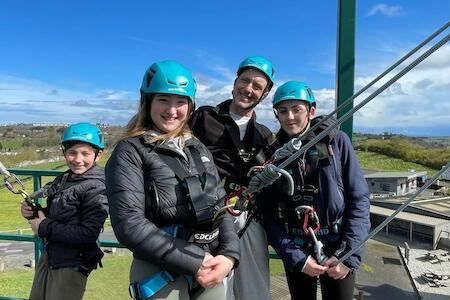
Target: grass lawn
380, 162
109, 282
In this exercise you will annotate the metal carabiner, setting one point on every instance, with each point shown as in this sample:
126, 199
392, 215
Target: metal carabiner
239, 200
309, 217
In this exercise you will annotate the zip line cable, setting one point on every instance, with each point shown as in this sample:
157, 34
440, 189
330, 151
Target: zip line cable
348, 114
392, 216
366, 87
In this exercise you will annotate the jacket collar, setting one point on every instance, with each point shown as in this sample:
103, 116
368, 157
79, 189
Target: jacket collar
174, 145
224, 109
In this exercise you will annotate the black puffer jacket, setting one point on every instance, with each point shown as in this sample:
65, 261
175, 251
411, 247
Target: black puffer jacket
218, 131
144, 195
75, 213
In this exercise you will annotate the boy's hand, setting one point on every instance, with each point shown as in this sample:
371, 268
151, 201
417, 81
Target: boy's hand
312, 268
340, 271
26, 210
34, 223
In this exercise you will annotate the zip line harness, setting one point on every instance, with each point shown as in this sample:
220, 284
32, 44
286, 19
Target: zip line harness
201, 191
30, 200
292, 150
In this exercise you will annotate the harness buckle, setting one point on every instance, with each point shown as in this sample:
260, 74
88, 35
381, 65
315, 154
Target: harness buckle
236, 202
309, 217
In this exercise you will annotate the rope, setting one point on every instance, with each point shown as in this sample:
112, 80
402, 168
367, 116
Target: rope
288, 149
392, 216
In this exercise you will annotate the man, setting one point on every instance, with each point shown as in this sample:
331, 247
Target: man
237, 143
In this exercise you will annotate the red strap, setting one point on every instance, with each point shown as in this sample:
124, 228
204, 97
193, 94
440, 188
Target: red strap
311, 212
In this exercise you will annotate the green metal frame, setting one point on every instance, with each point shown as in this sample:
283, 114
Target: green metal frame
345, 69
37, 184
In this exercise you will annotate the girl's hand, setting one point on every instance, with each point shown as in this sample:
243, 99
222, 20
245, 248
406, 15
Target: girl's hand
218, 268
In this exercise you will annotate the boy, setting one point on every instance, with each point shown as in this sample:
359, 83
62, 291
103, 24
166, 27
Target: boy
72, 221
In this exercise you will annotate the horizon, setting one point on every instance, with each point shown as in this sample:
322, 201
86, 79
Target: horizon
273, 129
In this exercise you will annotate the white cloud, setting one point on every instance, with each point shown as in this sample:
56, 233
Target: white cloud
28, 100
384, 9
112, 95
418, 100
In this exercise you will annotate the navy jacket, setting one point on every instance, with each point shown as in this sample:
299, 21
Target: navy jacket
343, 192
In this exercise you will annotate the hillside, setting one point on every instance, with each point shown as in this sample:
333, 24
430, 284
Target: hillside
21, 145
24, 143
430, 152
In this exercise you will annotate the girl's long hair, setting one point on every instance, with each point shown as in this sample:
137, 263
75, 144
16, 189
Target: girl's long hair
142, 122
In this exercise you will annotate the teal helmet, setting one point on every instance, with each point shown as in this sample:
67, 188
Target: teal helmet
169, 77
261, 63
83, 132
293, 90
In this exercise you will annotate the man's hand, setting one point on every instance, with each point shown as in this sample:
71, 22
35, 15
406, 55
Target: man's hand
34, 223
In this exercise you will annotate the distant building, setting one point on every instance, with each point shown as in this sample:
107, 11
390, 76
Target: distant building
416, 227
392, 184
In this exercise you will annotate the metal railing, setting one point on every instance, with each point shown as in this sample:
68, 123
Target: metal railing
37, 184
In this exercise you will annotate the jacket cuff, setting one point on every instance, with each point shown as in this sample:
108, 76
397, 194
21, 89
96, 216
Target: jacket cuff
42, 229
304, 264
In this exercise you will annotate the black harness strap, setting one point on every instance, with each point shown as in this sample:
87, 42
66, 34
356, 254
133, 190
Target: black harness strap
175, 165
201, 188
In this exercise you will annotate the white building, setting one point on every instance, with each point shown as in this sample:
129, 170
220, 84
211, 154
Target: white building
390, 184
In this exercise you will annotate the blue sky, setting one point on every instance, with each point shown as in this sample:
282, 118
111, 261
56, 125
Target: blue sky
70, 61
